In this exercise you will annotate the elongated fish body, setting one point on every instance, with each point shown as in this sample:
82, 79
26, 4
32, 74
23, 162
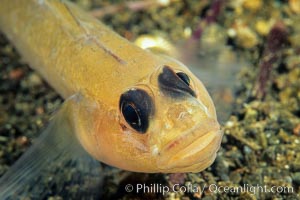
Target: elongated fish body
130, 108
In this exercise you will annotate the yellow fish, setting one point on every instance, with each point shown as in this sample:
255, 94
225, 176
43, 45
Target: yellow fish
127, 107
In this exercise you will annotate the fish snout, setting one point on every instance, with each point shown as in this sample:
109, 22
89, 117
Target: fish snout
191, 151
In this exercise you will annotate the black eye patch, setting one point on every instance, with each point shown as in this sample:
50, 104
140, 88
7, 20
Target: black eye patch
137, 106
174, 84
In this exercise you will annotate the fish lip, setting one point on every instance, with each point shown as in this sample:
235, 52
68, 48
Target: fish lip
176, 153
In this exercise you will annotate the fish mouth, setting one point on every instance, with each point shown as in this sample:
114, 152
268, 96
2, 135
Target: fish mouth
194, 150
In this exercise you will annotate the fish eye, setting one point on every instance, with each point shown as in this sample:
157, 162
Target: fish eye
175, 84
136, 106
131, 115
184, 77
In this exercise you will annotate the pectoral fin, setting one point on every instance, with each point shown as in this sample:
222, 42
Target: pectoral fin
55, 165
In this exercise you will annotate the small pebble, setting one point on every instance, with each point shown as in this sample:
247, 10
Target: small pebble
253, 5
34, 80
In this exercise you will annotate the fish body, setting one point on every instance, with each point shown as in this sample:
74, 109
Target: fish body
129, 107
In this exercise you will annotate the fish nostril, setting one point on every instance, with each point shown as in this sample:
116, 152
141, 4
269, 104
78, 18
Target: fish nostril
174, 84
178, 117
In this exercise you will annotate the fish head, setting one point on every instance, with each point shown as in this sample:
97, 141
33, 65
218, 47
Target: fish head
166, 122
174, 120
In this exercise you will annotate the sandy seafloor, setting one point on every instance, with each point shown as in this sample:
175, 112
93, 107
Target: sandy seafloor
261, 144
